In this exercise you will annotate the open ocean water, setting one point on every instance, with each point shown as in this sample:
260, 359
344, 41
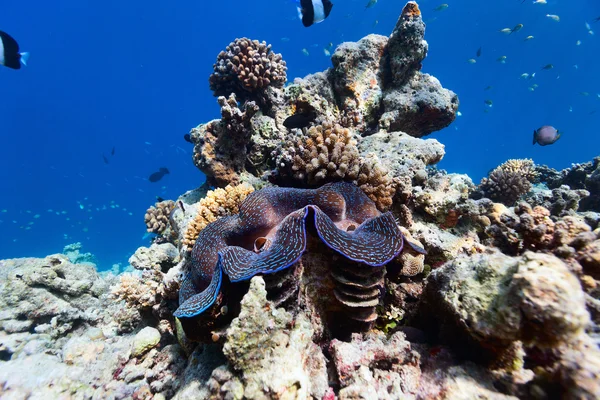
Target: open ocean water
133, 76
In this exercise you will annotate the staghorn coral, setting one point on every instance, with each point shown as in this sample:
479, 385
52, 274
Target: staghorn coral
509, 181
157, 216
217, 203
220, 149
246, 66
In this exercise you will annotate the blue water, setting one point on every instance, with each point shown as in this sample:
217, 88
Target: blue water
133, 75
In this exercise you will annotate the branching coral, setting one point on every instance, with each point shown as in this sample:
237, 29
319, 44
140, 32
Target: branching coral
509, 181
246, 66
220, 151
329, 153
157, 216
322, 153
376, 181
138, 292
217, 203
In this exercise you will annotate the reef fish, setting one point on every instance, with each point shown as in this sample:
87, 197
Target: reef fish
545, 135
9, 52
299, 120
188, 138
313, 11
157, 176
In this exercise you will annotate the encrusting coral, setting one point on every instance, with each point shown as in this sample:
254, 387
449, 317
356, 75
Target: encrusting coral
509, 181
246, 66
217, 203
157, 216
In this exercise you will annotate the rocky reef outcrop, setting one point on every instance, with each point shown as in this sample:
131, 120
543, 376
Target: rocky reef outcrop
328, 261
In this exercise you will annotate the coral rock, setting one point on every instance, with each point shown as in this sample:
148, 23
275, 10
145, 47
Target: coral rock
419, 107
263, 341
495, 300
358, 79
404, 155
407, 46
145, 340
159, 257
376, 365
220, 149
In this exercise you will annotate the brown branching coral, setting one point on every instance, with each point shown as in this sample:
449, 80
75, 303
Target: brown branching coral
320, 154
217, 203
509, 181
220, 150
376, 181
245, 67
157, 216
328, 153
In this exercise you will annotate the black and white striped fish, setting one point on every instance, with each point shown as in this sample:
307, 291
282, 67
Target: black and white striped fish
313, 11
9, 52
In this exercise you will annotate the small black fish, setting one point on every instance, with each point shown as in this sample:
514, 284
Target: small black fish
596, 19
112, 152
159, 199
188, 138
479, 52
105, 159
300, 120
313, 11
9, 52
157, 176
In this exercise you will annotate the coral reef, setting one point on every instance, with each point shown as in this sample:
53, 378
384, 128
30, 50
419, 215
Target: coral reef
580, 177
246, 66
314, 278
559, 201
509, 181
217, 203
356, 93
157, 216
